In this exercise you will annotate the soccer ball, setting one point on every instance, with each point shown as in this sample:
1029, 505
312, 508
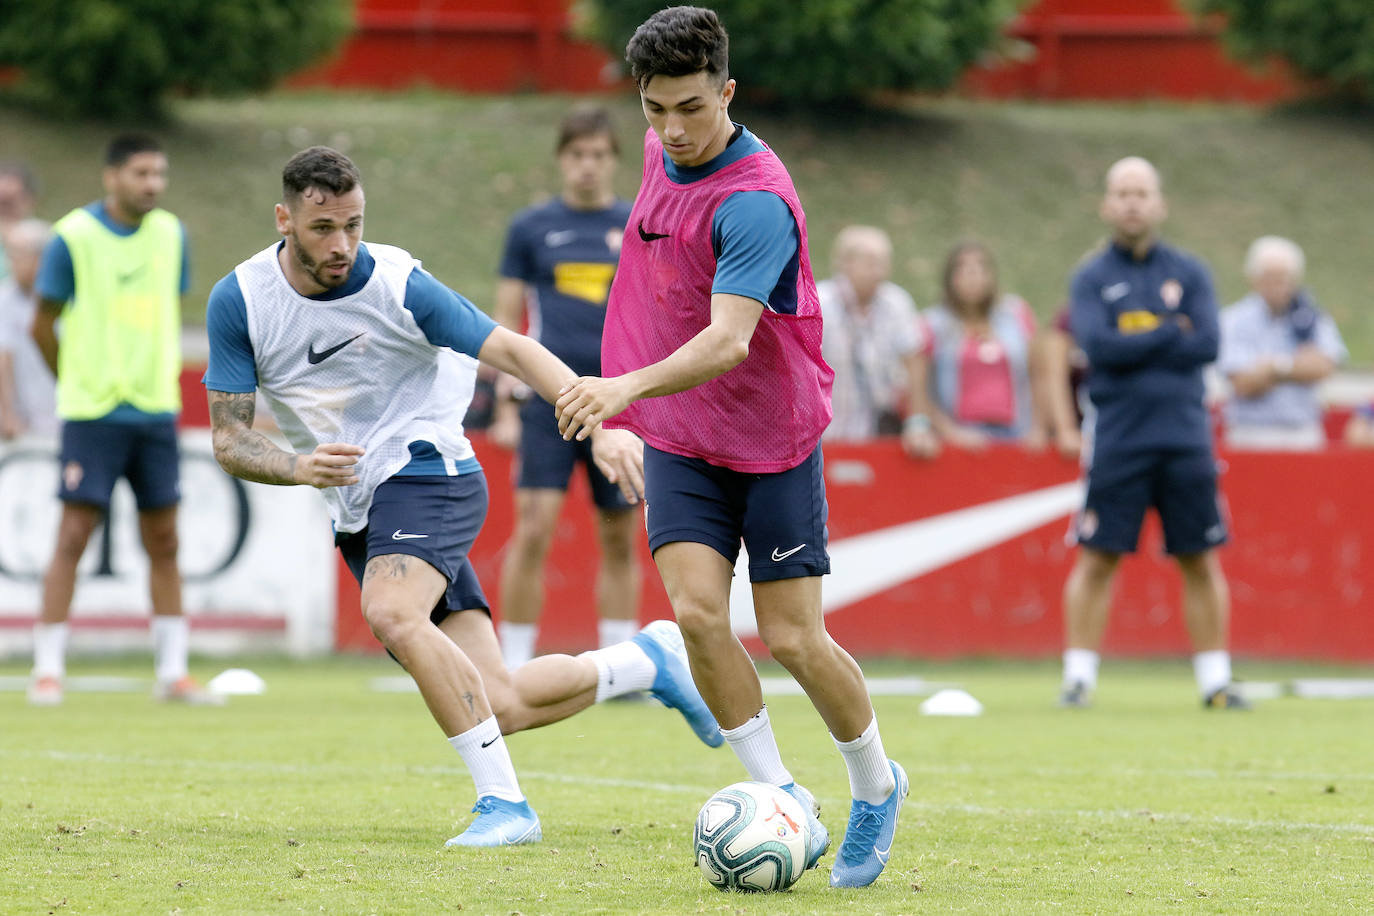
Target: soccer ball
751, 836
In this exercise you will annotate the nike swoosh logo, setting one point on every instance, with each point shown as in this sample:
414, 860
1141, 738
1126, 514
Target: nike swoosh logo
491, 742
651, 236
873, 562
559, 237
779, 557
129, 275
398, 535
316, 358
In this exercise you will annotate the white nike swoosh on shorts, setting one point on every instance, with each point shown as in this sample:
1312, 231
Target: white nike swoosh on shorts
398, 535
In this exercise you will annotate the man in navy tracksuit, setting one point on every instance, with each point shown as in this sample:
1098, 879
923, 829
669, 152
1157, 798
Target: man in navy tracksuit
1146, 316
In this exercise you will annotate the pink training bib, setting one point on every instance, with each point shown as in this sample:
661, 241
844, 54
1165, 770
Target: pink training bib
766, 414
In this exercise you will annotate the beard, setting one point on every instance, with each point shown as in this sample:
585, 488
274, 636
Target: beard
317, 269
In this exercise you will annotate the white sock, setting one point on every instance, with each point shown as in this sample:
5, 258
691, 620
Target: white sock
517, 643
1080, 665
621, 668
870, 775
171, 639
610, 632
1212, 670
756, 748
484, 751
49, 649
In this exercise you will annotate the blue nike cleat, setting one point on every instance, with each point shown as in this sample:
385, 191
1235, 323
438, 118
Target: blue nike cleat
818, 837
500, 823
673, 686
868, 838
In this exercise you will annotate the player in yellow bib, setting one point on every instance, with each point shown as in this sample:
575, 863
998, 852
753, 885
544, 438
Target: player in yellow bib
114, 274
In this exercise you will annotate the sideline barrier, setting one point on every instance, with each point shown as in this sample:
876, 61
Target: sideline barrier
257, 562
967, 555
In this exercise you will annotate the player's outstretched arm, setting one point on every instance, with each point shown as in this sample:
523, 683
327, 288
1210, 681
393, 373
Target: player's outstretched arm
251, 456
716, 349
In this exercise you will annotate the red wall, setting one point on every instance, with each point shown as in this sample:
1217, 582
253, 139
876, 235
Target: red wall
1099, 49
1301, 566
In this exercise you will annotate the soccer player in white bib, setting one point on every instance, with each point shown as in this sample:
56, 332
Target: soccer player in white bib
368, 363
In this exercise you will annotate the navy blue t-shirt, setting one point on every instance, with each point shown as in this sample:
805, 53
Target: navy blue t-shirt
568, 258
1146, 383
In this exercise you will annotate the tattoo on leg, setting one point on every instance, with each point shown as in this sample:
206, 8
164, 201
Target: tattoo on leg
391, 566
472, 707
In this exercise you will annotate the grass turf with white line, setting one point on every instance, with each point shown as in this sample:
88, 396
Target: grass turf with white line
324, 794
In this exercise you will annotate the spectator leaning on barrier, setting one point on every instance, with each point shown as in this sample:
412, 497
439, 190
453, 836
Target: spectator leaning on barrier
1062, 370
982, 356
1145, 314
1359, 429
28, 401
18, 196
878, 346
114, 275
1276, 345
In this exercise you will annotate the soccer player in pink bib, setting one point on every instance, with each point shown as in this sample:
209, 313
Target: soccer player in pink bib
712, 355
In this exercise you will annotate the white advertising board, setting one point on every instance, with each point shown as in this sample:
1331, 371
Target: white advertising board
257, 562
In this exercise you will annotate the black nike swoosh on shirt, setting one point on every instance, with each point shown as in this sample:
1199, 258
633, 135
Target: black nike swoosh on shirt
651, 236
323, 355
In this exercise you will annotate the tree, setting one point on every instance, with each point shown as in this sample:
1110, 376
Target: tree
836, 50
122, 58
1329, 40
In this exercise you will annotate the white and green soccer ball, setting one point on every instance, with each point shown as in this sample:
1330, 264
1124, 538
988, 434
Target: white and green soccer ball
751, 836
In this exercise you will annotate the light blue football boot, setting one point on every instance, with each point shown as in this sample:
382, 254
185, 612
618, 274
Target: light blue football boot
868, 838
818, 838
673, 686
500, 823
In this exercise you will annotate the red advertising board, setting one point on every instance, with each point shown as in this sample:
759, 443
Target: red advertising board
967, 554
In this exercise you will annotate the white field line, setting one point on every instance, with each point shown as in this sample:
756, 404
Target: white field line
933, 808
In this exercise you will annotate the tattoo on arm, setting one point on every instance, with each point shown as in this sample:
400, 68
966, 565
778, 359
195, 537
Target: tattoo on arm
241, 451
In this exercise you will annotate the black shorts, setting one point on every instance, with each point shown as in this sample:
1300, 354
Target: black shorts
1181, 486
96, 453
780, 517
433, 518
546, 460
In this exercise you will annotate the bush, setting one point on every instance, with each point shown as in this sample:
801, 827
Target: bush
120, 58
1329, 40
835, 50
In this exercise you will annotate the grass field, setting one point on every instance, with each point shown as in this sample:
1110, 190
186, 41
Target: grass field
324, 796
444, 174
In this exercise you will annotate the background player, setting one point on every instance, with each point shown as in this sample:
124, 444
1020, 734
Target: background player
1145, 315
114, 274
315, 321
559, 259
715, 323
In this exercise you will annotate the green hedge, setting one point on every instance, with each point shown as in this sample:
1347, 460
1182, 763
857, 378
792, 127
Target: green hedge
120, 58
835, 50
1328, 40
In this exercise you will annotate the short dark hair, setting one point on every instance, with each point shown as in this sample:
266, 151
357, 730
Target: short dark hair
587, 122
679, 41
124, 146
319, 167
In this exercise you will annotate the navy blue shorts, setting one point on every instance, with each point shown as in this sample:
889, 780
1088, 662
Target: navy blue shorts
546, 460
780, 517
96, 453
1181, 486
433, 518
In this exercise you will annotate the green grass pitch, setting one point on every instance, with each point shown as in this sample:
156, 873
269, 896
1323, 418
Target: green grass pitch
325, 796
